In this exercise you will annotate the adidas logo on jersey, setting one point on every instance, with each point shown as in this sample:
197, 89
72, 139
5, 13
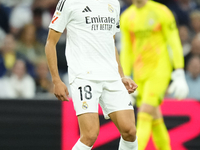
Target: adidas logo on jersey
87, 9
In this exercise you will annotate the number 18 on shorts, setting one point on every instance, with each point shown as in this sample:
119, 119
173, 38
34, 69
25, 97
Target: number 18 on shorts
111, 95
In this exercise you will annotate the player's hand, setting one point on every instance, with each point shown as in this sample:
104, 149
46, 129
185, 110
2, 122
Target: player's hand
178, 87
61, 91
130, 85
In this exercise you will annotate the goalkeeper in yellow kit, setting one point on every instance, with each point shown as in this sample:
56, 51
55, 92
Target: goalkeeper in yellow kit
151, 49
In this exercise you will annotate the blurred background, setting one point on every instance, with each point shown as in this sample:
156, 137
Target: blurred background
30, 115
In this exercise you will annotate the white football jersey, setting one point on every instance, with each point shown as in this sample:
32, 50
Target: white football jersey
90, 48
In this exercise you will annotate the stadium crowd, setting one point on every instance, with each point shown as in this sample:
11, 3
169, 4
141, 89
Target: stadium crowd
24, 29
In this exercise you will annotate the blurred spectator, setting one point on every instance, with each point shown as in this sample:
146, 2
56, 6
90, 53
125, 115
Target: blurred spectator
8, 52
22, 84
5, 88
20, 15
193, 77
185, 39
197, 2
48, 7
182, 9
195, 48
2, 65
19, 84
195, 21
187, 5
43, 79
2, 36
41, 32
12, 3
4, 22
4, 18
28, 44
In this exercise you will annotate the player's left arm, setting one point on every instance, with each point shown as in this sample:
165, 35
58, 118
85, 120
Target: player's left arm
178, 86
172, 38
130, 85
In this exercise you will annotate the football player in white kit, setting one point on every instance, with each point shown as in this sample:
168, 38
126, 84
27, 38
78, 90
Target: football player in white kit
95, 73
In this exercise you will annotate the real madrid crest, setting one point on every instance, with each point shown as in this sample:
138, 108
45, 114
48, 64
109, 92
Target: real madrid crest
110, 8
85, 105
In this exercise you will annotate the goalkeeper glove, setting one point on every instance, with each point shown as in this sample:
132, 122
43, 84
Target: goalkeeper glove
178, 87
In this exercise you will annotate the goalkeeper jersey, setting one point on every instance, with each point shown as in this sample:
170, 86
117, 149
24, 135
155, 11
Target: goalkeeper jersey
150, 41
90, 48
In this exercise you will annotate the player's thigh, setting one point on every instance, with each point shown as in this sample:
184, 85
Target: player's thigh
114, 98
154, 90
124, 121
85, 95
89, 124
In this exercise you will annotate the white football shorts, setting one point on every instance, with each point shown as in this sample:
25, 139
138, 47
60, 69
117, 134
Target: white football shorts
111, 95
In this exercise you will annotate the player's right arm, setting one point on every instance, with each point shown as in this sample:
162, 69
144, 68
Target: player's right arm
126, 53
60, 89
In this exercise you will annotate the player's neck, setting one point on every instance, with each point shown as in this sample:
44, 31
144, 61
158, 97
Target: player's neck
139, 3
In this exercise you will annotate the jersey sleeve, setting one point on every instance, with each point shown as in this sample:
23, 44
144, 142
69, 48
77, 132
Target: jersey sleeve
126, 53
61, 16
171, 35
